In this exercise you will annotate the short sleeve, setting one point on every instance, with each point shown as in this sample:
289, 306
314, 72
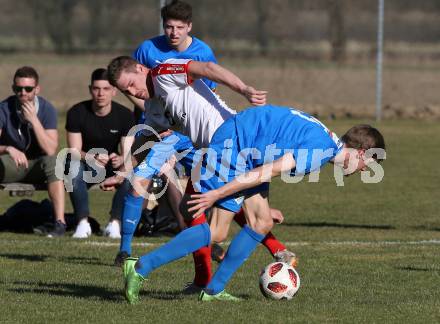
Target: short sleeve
2, 115
73, 121
172, 75
49, 116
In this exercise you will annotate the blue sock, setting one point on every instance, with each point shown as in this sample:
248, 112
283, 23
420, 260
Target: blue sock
242, 246
184, 243
130, 219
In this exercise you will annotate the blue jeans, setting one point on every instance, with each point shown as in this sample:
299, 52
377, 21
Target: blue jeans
80, 196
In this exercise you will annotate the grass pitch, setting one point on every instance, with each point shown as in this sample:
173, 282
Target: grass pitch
368, 253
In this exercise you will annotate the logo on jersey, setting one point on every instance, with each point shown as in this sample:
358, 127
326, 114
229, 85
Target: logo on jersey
239, 200
169, 69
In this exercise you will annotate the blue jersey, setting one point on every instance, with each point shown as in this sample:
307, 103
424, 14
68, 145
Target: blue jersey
156, 50
261, 135
274, 131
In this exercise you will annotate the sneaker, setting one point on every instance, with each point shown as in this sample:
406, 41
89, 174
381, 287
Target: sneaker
191, 289
120, 258
133, 280
83, 229
58, 230
287, 257
113, 230
223, 295
217, 253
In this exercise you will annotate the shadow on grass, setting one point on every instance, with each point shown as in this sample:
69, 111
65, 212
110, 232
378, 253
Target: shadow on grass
176, 295
83, 260
93, 291
426, 228
421, 269
67, 290
338, 225
25, 257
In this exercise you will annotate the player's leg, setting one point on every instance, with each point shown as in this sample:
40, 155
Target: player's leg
202, 256
190, 159
151, 165
273, 245
256, 209
187, 241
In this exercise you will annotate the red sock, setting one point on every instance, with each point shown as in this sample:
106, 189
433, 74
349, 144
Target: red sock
270, 241
202, 257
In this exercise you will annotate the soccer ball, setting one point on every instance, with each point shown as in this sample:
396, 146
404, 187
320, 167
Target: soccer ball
279, 281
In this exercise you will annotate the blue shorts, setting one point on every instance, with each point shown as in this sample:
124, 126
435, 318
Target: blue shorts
174, 144
223, 163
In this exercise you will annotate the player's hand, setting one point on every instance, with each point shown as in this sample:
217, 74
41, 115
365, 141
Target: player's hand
101, 159
116, 160
18, 157
166, 133
29, 111
255, 97
202, 202
110, 184
277, 216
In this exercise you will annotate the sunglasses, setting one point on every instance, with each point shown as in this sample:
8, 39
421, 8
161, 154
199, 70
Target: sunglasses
18, 89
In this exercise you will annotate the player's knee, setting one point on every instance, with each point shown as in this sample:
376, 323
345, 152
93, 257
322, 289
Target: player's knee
138, 186
262, 225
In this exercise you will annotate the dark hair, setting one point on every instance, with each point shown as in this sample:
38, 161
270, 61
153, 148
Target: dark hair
178, 10
27, 72
364, 137
99, 74
119, 64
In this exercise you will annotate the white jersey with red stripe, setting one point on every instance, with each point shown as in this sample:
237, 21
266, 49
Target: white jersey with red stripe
190, 105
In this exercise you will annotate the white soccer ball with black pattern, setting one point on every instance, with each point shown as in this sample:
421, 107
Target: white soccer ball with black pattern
279, 281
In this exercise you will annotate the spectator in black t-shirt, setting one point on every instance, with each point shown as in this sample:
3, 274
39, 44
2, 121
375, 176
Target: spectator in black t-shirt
97, 128
29, 141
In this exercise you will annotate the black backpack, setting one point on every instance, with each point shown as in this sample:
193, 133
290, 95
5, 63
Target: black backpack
27, 215
154, 224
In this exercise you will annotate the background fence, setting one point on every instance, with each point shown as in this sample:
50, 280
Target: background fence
316, 54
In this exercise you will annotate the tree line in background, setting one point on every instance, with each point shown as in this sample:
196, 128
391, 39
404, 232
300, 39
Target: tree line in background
266, 27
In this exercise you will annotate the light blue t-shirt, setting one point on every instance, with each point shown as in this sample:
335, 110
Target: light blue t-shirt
156, 50
274, 131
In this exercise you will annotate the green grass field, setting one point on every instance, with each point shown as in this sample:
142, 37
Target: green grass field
369, 253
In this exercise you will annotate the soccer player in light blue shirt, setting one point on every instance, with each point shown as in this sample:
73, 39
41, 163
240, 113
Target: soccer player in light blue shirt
244, 154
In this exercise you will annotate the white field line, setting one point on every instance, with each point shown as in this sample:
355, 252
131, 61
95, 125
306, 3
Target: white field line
328, 243
324, 243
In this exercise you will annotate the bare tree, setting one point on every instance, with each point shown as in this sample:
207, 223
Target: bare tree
262, 10
58, 16
336, 29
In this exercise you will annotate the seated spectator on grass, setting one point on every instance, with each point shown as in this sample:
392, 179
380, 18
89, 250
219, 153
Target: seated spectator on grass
29, 141
98, 129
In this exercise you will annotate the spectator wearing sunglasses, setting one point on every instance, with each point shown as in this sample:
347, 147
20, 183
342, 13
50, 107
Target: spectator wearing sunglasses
29, 141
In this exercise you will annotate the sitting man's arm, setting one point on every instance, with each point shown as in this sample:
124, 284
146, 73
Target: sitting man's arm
74, 141
16, 155
216, 73
244, 181
46, 138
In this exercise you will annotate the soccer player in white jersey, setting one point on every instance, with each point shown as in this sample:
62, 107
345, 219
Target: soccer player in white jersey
198, 118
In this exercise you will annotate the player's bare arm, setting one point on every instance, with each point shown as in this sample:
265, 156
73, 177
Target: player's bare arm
244, 181
219, 74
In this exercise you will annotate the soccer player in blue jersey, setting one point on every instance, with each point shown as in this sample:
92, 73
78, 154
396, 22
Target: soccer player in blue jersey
177, 43
254, 145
